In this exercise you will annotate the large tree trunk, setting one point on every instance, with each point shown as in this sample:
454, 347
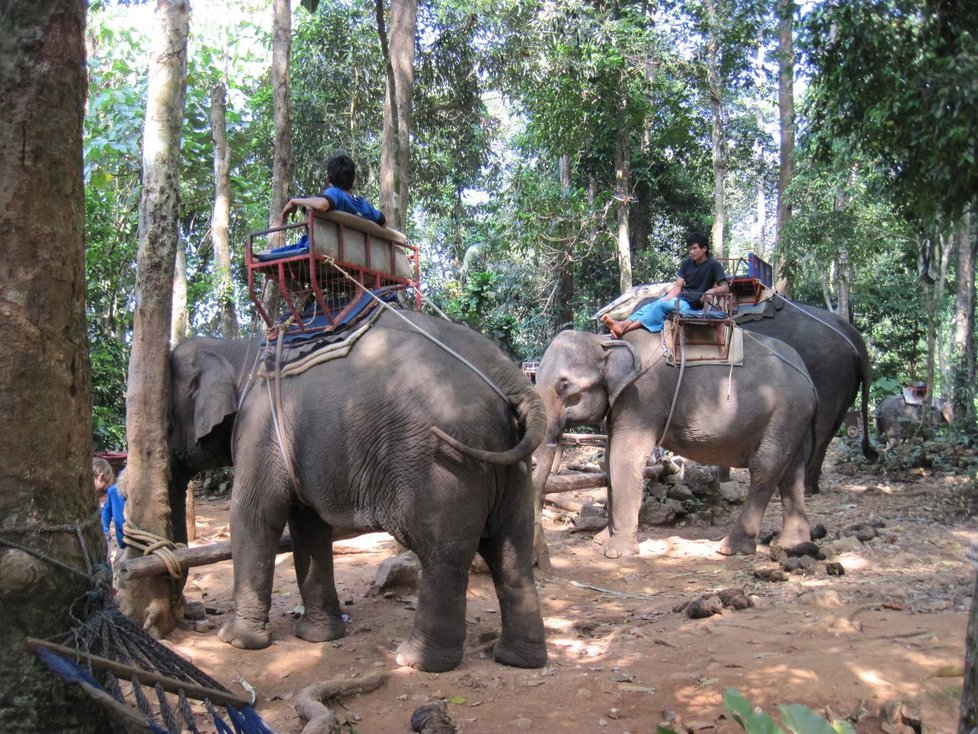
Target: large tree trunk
564, 297
180, 319
761, 205
623, 194
786, 108
221, 217
282, 99
969, 697
153, 601
964, 327
715, 89
395, 155
46, 488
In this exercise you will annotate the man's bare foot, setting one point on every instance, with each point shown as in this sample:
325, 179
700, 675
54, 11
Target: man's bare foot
612, 325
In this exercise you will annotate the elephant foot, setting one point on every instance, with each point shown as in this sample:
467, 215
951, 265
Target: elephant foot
524, 655
245, 635
414, 653
602, 538
794, 537
811, 489
621, 545
318, 629
734, 546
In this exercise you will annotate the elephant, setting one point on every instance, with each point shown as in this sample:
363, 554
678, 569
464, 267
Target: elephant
895, 416
837, 361
759, 416
423, 430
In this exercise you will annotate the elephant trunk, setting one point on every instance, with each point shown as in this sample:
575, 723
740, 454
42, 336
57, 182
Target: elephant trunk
531, 415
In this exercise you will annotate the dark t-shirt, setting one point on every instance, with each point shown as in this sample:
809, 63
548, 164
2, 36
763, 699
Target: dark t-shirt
699, 278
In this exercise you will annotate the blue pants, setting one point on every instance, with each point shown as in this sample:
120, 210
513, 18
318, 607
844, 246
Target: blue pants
652, 315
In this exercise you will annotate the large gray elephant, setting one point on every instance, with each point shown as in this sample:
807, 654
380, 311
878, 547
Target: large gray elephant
897, 418
757, 416
400, 435
837, 361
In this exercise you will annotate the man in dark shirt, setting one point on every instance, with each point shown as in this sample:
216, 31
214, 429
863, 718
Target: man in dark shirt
699, 277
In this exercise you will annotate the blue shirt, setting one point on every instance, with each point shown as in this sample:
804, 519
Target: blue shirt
342, 201
112, 510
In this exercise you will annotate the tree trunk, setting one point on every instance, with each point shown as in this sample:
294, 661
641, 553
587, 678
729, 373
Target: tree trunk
221, 217
969, 697
281, 95
639, 216
564, 297
843, 263
395, 156
623, 194
761, 206
786, 108
179, 321
150, 506
715, 90
963, 368
45, 403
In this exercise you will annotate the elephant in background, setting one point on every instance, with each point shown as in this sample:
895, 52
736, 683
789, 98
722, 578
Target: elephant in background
758, 416
836, 358
397, 436
897, 418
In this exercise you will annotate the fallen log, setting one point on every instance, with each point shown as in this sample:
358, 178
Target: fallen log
589, 480
579, 438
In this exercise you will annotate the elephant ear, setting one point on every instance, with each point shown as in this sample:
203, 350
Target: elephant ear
217, 395
622, 366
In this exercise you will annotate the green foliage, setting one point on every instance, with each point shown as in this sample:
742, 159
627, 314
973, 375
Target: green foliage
894, 81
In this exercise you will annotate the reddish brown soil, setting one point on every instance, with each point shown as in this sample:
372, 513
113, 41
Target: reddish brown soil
892, 628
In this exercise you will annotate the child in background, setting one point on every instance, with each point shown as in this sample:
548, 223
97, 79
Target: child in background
113, 511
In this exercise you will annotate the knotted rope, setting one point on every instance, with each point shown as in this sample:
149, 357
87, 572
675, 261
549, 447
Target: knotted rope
151, 544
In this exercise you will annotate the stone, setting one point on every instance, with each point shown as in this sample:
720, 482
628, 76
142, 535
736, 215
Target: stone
866, 533
679, 492
701, 479
593, 509
590, 523
654, 512
402, 571
194, 610
731, 492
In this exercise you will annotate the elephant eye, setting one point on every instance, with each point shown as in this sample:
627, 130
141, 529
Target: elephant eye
562, 385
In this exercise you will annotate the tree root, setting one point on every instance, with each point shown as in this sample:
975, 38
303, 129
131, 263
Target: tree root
310, 702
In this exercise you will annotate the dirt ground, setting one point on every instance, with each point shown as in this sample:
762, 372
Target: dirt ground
890, 631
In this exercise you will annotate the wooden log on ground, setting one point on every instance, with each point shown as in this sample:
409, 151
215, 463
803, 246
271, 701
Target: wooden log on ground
581, 438
588, 480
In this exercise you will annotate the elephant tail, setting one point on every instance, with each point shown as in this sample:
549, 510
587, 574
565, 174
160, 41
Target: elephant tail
532, 418
868, 451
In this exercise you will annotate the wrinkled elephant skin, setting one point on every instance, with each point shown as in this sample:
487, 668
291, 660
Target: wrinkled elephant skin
837, 361
360, 435
758, 416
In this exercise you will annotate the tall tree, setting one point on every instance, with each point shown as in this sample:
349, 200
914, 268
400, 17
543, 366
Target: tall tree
395, 156
46, 473
153, 600
786, 124
963, 368
221, 216
282, 98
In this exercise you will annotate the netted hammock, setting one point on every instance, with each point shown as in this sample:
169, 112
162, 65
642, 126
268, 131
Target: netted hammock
143, 685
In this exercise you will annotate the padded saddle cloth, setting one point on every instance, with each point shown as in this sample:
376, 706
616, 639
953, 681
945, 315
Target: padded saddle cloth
765, 308
323, 341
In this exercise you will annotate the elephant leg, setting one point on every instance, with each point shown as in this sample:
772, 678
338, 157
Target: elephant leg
765, 472
255, 534
627, 456
508, 554
795, 528
436, 639
312, 549
813, 469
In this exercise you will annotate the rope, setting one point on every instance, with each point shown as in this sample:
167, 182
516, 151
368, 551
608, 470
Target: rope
822, 322
151, 544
